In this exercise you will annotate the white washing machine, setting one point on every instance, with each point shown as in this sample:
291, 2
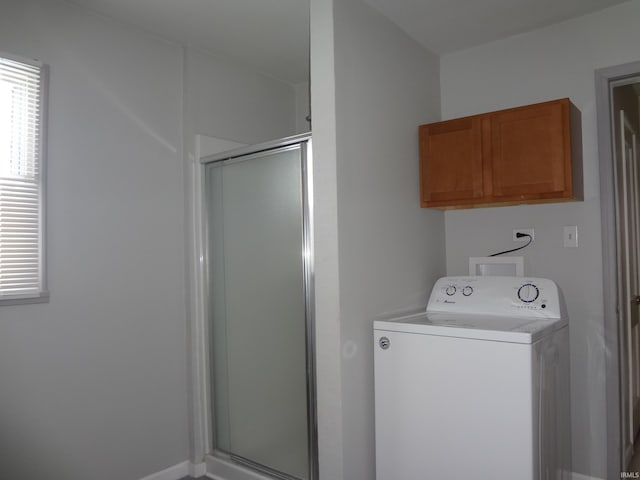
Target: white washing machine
477, 386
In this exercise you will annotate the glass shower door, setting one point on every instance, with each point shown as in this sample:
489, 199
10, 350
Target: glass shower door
257, 315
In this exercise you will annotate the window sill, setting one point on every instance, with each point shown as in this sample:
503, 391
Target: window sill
42, 298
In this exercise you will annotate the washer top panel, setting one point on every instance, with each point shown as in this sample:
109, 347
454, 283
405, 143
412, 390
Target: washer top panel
480, 327
507, 309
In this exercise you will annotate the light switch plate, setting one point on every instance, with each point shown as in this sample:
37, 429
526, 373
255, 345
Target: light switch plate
571, 236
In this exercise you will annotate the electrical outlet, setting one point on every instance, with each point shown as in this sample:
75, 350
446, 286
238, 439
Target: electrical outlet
528, 231
570, 236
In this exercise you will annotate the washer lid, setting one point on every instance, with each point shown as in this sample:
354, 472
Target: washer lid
480, 327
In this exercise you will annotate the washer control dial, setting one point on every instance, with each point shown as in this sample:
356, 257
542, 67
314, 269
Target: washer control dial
450, 290
528, 292
466, 291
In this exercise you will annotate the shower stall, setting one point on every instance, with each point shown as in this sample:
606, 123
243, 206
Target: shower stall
259, 311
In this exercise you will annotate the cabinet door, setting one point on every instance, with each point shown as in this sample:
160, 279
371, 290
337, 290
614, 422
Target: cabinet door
451, 162
531, 152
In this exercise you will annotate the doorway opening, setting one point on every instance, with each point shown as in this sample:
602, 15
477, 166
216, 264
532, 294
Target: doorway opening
625, 97
618, 96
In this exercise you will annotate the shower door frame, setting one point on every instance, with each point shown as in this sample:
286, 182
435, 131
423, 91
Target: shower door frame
203, 441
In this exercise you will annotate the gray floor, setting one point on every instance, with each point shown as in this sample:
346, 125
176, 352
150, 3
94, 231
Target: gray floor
191, 478
634, 466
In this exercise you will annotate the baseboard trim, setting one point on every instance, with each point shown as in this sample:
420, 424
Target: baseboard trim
579, 476
222, 469
176, 472
197, 469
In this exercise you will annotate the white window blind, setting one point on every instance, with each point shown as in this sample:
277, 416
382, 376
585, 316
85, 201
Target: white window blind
21, 186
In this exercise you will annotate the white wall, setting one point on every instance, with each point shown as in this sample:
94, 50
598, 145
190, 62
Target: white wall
94, 384
390, 251
325, 241
303, 110
229, 101
554, 62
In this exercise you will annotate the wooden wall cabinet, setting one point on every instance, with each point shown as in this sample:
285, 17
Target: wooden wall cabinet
530, 154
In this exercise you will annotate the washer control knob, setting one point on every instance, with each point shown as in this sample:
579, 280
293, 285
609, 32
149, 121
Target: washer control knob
528, 292
466, 291
450, 290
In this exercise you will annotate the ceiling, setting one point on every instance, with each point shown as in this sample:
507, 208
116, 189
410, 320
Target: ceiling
272, 36
444, 26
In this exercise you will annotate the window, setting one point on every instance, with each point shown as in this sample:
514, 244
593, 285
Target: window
22, 100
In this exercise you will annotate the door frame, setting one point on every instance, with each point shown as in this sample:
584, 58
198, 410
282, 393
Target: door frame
603, 79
